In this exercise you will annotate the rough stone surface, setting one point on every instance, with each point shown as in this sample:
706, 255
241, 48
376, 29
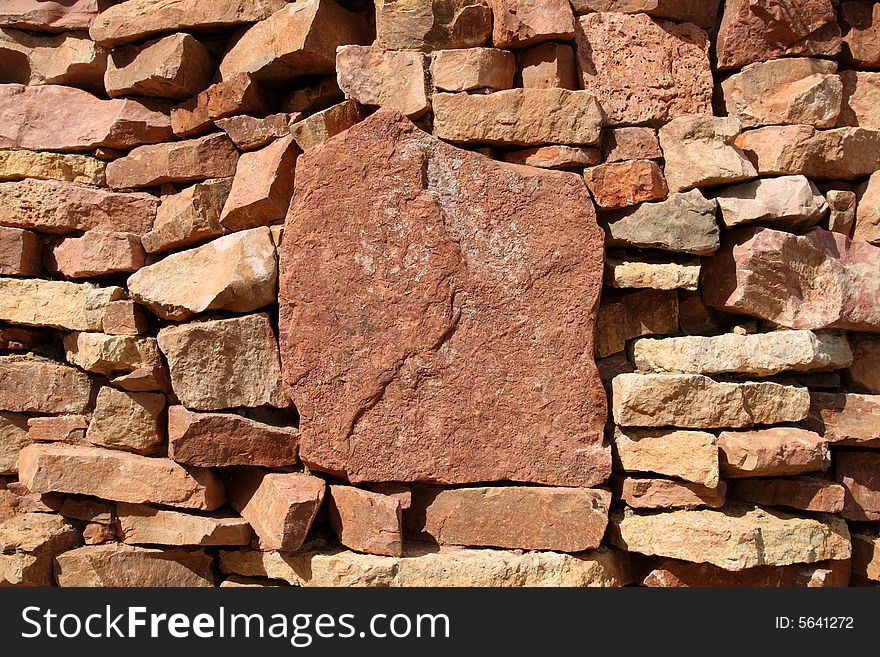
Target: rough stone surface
188, 217
70, 59
622, 184
212, 156
50, 206
548, 66
49, 15
699, 152
236, 272
688, 455
262, 186
366, 521
818, 280
225, 363
13, 436
32, 384
632, 314
859, 473
644, 71
96, 254
458, 286
555, 157
448, 567
225, 439
28, 543
237, 95
842, 211
139, 524
839, 154
116, 475
668, 494
249, 133
785, 91
57, 304
761, 354
788, 201
123, 317
804, 493
867, 220
845, 418
320, 126
115, 565
860, 22
113, 355
127, 420
319, 95
736, 538
57, 118
519, 23
753, 32
280, 507
473, 68
861, 94
432, 24
699, 12
630, 143
866, 556
685, 223
299, 39
387, 78
864, 372
135, 20
532, 518
58, 428
20, 252
519, 117
176, 66
696, 401
66, 167
774, 452
678, 574
651, 275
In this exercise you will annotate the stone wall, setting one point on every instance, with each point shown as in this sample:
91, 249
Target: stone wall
439, 292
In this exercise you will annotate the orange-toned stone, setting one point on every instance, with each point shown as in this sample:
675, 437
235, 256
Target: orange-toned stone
239, 94
366, 521
97, 253
20, 252
621, 184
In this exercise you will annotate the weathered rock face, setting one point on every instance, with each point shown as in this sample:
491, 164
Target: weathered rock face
555, 157
13, 436
116, 475
867, 219
299, 39
473, 68
754, 32
859, 473
366, 521
225, 363
432, 24
632, 314
845, 418
774, 452
249, 132
136, 19
630, 143
668, 494
49, 16
788, 201
841, 211
860, 22
176, 67
804, 493
60, 118
841, 154
698, 12
67, 167
696, 401
453, 349
127, 420
644, 71
20, 252
226, 439
651, 275
762, 354
58, 304
320, 126
622, 184
97, 254
688, 455
861, 91
866, 556
684, 223
678, 574
238, 94
59, 207
572, 519
389, 78
864, 372
70, 59
139, 524
520, 23
548, 66
785, 91
188, 217
58, 428
520, 117
28, 543
125, 565
32, 384
736, 538
279, 506
699, 152
236, 272
213, 156
818, 280
449, 567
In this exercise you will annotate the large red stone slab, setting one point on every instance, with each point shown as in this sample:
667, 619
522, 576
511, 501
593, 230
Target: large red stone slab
437, 312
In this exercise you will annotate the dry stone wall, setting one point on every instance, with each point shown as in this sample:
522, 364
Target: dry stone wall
439, 293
